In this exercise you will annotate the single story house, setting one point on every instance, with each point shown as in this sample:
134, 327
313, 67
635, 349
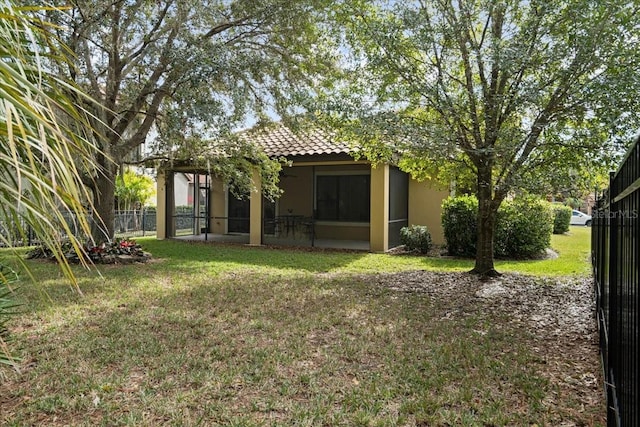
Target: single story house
329, 199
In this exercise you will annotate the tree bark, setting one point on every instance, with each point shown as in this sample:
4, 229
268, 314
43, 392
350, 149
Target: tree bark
102, 229
487, 210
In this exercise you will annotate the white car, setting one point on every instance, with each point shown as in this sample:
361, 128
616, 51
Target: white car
579, 218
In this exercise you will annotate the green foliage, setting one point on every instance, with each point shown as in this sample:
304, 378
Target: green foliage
104, 253
416, 238
7, 310
523, 227
522, 95
460, 223
133, 189
193, 72
43, 156
561, 218
183, 209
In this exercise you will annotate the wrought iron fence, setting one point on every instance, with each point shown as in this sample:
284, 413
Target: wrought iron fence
136, 223
141, 222
615, 252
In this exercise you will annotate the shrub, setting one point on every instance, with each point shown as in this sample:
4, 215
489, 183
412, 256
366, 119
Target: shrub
561, 219
106, 253
523, 227
459, 221
416, 238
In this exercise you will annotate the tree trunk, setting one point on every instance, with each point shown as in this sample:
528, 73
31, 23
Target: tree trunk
487, 210
104, 198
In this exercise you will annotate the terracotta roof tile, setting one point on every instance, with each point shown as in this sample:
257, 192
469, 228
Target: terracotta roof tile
281, 141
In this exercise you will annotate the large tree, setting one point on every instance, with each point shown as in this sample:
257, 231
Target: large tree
507, 90
187, 71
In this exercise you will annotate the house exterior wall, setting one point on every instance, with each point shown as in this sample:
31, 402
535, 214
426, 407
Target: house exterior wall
425, 201
218, 210
255, 232
297, 196
161, 206
298, 199
379, 231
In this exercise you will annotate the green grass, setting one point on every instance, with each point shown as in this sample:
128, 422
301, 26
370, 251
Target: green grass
235, 335
573, 249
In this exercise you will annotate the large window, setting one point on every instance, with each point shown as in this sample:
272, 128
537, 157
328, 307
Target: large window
343, 198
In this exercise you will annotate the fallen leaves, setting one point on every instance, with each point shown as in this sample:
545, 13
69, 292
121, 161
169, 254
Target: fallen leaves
556, 316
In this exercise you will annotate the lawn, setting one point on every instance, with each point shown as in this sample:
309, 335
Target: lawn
241, 336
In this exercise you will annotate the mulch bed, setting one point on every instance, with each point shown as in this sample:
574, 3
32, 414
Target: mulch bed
558, 316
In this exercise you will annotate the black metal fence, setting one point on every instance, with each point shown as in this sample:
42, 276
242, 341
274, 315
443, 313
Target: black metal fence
136, 223
615, 253
141, 222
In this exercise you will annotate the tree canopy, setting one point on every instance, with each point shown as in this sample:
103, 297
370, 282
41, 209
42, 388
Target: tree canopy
505, 92
133, 189
176, 74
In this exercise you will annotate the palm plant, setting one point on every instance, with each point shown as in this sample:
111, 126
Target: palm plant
7, 309
41, 156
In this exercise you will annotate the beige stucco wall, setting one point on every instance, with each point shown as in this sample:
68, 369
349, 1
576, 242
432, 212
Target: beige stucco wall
379, 230
298, 199
297, 184
255, 211
425, 201
218, 211
161, 206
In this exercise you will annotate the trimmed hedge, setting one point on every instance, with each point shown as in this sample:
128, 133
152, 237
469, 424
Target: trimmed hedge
523, 227
460, 222
561, 218
416, 238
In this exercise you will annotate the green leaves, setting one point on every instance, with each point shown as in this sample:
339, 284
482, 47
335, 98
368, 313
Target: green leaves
497, 96
506, 82
7, 310
523, 227
41, 150
176, 75
133, 188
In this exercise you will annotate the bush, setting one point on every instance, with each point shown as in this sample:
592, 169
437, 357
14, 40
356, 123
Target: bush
118, 251
561, 219
523, 227
416, 238
459, 220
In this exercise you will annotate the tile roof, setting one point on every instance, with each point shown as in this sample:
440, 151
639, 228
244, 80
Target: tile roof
281, 141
